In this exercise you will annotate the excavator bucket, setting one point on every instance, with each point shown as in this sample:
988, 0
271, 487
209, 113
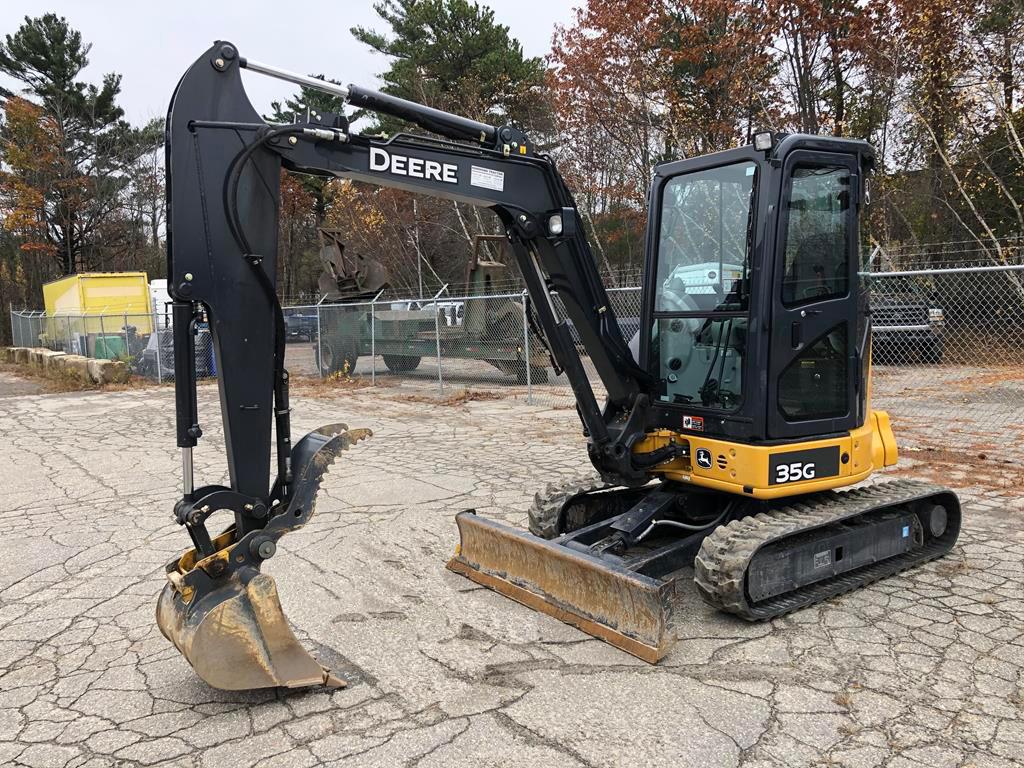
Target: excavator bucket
620, 606
224, 616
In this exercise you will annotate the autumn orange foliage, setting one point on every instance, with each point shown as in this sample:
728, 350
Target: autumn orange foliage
31, 154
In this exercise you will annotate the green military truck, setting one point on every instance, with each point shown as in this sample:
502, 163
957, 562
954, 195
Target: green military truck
487, 327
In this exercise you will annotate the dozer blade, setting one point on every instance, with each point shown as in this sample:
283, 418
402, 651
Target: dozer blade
624, 608
224, 616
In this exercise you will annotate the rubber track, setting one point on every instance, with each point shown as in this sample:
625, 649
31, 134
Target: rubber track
547, 504
721, 565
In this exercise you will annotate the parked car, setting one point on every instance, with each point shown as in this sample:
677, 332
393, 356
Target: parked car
905, 320
299, 326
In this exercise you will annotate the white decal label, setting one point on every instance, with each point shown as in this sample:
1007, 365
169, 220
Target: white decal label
416, 167
795, 472
488, 179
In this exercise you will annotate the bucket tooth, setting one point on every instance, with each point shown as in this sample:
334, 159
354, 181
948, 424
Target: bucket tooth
624, 608
224, 616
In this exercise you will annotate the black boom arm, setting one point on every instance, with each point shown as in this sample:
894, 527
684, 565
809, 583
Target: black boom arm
224, 165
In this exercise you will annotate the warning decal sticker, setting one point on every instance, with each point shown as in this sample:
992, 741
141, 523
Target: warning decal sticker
696, 423
486, 178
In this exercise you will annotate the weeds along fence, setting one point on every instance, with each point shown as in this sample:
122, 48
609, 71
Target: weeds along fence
948, 347
143, 341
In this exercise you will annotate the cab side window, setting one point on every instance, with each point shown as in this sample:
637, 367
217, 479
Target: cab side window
816, 259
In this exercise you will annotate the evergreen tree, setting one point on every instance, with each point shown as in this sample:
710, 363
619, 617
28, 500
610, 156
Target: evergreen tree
453, 55
305, 103
92, 146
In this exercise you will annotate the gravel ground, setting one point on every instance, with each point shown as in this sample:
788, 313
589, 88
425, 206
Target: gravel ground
923, 669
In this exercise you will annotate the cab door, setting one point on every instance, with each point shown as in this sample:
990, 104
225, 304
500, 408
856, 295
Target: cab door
814, 374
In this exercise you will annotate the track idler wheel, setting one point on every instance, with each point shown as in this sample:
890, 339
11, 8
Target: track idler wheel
224, 616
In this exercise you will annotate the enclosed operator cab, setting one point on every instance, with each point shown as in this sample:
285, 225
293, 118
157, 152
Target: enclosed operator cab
756, 321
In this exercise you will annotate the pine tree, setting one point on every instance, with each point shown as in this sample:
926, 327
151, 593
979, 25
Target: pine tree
92, 145
453, 55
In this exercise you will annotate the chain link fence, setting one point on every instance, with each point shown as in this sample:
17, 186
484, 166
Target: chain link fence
143, 341
948, 354
948, 348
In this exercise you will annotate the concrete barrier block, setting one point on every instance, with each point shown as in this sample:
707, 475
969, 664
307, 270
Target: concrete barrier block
21, 355
77, 367
49, 359
108, 371
95, 371
116, 373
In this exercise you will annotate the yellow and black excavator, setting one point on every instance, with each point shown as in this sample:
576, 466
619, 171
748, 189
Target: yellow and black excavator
728, 421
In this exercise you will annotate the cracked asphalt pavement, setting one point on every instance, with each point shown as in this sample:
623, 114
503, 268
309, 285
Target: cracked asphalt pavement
923, 669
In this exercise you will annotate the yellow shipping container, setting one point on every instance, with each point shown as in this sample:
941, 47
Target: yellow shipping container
84, 306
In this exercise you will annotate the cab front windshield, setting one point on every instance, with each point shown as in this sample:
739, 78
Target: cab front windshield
702, 290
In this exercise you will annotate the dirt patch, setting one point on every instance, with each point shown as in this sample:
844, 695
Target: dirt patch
461, 397
990, 379
13, 385
330, 386
975, 465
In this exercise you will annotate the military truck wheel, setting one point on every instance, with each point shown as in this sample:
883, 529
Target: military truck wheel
333, 359
401, 363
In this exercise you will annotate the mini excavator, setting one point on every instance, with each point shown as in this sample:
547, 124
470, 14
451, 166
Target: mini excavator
728, 423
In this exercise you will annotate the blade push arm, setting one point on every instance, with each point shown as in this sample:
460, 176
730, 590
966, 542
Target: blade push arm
231, 162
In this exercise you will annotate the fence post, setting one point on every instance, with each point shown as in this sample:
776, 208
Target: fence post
67, 319
319, 345
373, 342
373, 337
437, 337
103, 335
127, 345
14, 340
526, 348
437, 340
156, 330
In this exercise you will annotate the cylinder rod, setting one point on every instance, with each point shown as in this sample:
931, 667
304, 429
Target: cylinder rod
294, 77
438, 121
186, 471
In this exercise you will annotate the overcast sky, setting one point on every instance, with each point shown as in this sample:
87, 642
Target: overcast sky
151, 44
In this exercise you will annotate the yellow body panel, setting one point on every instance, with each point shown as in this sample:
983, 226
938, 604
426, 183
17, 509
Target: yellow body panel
743, 469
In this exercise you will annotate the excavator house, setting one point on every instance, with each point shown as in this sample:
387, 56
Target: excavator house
723, 434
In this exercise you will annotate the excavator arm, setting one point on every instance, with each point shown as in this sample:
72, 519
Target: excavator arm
223, 185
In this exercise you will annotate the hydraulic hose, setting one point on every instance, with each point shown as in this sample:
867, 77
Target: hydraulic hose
282, 418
